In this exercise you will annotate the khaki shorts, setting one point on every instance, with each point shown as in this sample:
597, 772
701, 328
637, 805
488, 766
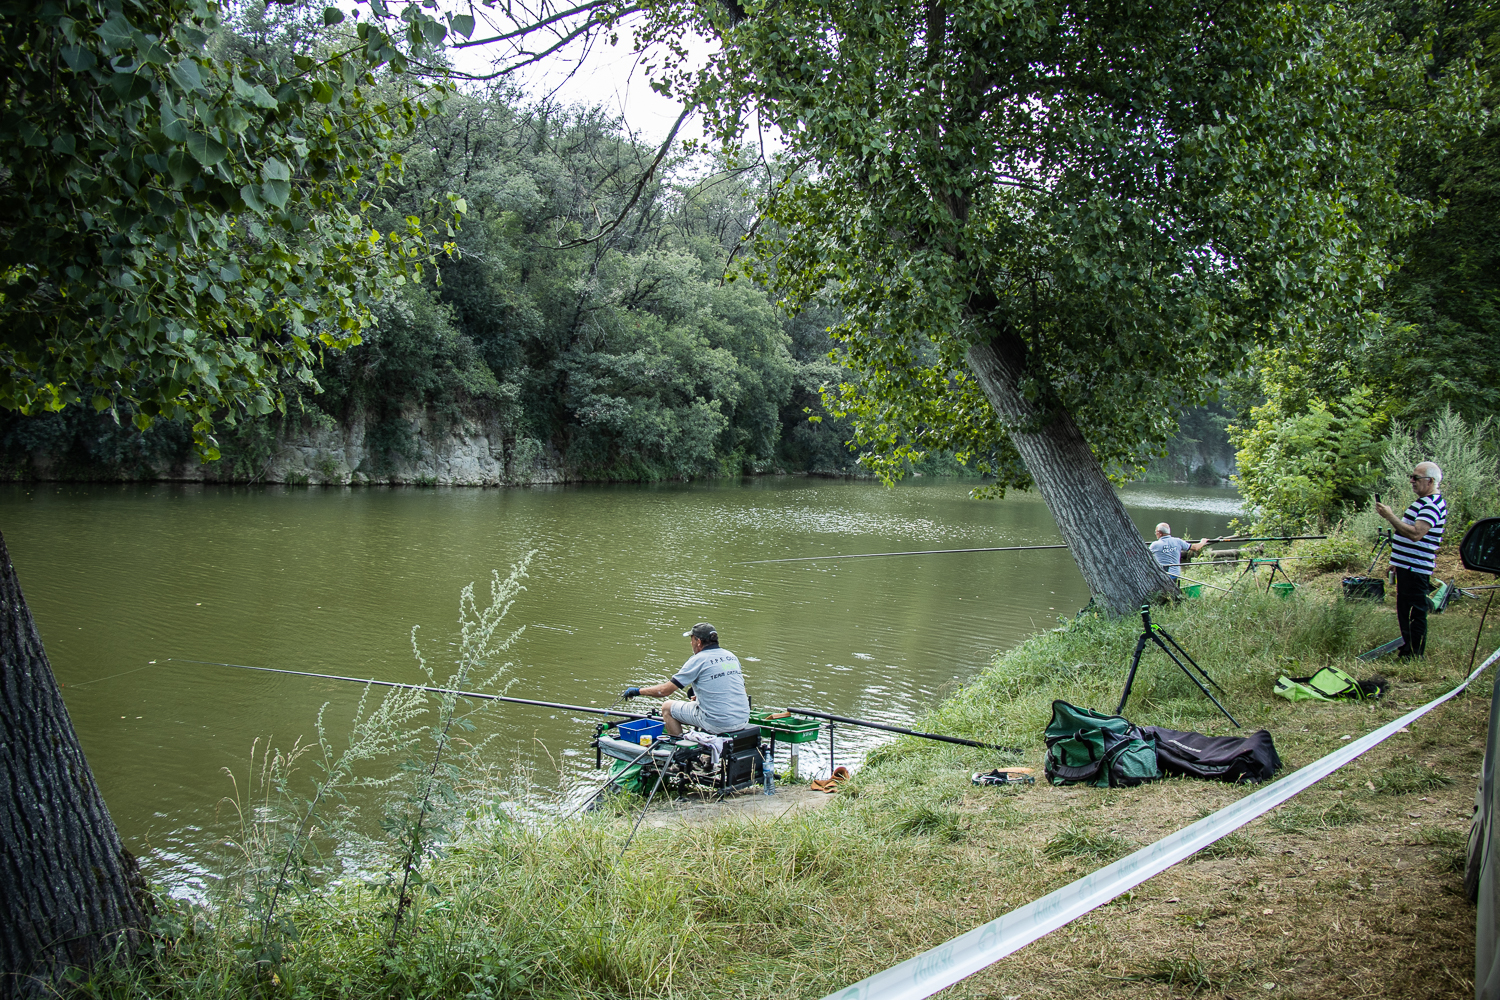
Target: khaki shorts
689, 714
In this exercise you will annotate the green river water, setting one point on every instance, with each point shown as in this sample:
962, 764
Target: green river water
333, 580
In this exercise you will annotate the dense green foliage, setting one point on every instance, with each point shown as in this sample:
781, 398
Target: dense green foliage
604, 336
185, 225
618, 345
1135, 200
1464, 451
1440, 346
1302, 462
1313, 438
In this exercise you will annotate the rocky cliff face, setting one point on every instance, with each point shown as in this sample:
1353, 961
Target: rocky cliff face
468, 451
419, 448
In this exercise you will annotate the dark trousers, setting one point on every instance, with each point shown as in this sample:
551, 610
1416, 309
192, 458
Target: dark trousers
1411, 610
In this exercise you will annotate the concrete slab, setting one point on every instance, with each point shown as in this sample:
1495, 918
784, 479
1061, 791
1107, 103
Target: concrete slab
752, 803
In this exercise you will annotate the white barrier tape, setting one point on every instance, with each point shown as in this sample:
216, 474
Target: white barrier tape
941, 967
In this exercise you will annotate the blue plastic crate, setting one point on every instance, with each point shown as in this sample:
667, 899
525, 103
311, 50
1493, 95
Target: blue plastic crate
642, 731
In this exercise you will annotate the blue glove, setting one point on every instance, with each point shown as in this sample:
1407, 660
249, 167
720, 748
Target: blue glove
631, 693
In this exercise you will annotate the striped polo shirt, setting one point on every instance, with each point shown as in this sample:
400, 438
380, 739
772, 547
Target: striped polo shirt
1418, 555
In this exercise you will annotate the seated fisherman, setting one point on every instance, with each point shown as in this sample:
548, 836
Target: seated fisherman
714, 678
1168, 550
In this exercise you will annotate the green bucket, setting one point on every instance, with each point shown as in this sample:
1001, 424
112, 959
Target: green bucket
1192, 590
1283, 589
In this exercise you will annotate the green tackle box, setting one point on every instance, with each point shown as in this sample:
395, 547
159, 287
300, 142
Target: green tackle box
788, 730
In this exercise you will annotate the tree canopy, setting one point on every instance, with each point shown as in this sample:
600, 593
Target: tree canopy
1054, 223
180, 227
1141, 195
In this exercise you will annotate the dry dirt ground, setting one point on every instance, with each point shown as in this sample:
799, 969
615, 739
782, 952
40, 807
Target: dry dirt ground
1341, 893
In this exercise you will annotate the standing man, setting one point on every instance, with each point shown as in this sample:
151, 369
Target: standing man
1414, 545
716, 682
1168, 550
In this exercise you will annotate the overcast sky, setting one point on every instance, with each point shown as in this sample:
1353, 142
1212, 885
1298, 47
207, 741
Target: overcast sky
597, 74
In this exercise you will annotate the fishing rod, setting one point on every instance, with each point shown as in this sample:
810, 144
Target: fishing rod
1205, 583
1002, 548
922, 552
903, 731
421, 687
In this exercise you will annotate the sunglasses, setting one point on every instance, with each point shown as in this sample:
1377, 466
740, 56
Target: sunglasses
1417, 479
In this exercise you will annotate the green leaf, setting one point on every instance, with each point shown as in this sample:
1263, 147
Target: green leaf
332, 16
433, 31
463, 24
116, 33
205, 149
261, 98
64, 144
322, 92
131, 86
175, 129
78, 58
187, 76
276, 192
251, 194
275, 170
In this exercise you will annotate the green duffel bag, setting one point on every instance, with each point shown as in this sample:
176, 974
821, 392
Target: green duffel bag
1106, 751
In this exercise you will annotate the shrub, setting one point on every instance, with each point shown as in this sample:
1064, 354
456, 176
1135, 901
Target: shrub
1301, 469
1338, 552
1465, 453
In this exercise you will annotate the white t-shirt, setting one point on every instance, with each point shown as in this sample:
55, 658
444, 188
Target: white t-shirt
715, 677
1168, 551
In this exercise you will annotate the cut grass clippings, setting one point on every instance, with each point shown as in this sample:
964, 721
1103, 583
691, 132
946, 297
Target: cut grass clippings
1350, 889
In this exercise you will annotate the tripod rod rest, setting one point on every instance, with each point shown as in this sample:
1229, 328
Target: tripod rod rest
1146, 617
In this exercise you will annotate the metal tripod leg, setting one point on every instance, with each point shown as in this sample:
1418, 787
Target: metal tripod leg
1135, 661
1195, 680
1248, 570
1185, 655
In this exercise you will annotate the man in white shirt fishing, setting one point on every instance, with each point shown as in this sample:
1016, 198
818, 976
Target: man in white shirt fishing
716, 682
1168, 549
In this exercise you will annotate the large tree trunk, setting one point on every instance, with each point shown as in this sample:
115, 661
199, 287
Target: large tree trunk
1116, 564
70, 894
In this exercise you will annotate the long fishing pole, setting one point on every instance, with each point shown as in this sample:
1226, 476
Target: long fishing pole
1001, 548
421, 687
922, 552
906, 732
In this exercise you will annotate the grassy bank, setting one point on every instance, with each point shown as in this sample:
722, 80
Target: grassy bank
1351, 889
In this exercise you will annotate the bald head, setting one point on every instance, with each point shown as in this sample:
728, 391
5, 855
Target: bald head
1164, 529
1429, 469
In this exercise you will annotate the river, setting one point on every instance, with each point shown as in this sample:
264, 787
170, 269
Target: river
333, 580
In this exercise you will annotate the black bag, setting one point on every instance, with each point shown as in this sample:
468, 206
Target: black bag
1234, 759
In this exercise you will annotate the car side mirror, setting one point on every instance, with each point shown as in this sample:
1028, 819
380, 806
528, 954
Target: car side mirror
1480, 549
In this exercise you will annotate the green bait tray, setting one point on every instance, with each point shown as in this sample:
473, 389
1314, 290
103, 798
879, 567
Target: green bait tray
788, 730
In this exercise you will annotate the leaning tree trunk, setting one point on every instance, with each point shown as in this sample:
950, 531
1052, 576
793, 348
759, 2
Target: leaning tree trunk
72, 895
1116, 564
